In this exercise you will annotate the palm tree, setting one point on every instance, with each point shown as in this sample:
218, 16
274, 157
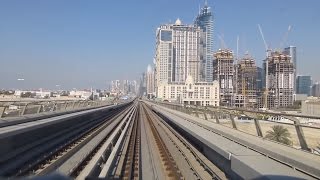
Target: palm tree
279, 134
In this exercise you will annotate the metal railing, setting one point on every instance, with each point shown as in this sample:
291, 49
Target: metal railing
21, 108
302, 135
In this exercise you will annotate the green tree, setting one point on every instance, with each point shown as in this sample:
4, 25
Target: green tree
279, 134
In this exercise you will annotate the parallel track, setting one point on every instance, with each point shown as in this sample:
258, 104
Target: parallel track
116, 151
171, 169
32, 159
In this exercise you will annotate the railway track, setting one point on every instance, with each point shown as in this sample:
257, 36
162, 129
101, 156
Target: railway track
130, 143
151, 149
37, 156
169, 165
189, 161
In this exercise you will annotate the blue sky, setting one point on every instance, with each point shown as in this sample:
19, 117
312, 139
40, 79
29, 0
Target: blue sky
83, 44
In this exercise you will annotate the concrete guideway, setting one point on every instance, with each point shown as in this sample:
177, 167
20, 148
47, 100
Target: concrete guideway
239, 147
190, 161
148, 149
29, 151
28, 124
150, 161
31, 108
141, 140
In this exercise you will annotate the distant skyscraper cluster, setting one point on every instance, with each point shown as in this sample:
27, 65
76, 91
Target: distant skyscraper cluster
123, 87
187, 70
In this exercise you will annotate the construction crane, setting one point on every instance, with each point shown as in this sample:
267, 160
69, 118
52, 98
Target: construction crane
236, 66
222, 43
265, 105
285, 37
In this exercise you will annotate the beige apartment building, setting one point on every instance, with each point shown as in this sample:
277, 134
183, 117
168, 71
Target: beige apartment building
190, 92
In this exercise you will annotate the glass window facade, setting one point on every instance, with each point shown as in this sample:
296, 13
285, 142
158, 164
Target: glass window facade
166, 35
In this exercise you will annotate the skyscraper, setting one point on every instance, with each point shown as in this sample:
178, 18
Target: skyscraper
280, 80
223, 73
304, 84
261, 82
247, 80
292, 51
177, 53
205, 21
150, 82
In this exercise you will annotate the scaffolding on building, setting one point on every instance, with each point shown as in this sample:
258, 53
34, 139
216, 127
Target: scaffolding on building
246, 81
223, 73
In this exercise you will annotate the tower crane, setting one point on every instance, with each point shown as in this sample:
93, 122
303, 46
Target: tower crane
285, 37
222, 43
268, 51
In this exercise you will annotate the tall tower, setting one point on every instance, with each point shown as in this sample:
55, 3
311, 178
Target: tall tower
223, 73
280, 80
292, 51
177, 53
150, 82
205, 21
247, 80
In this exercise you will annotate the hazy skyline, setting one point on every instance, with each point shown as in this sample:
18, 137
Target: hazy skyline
85, 44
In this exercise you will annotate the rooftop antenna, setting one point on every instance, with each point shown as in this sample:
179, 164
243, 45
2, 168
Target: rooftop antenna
206, 3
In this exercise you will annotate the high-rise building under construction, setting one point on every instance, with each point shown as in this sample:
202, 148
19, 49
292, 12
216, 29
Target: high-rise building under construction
292, 52
280, 79
246, 81
223, 72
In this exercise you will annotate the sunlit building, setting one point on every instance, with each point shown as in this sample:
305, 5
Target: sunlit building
246, 82
205, 21
177, 53
150, 82
292, 52
280, 80
190, 92
223, 71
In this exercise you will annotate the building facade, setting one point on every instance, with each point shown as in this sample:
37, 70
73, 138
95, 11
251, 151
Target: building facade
311, 107
150, 82
280, 80
177, 53
190, 92
261, 79
315, 90
205, 21
303, 85
223, 71
292, 52
246, 81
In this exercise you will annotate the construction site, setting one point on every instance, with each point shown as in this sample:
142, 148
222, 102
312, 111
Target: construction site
280, 78
223, 72
246, 83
